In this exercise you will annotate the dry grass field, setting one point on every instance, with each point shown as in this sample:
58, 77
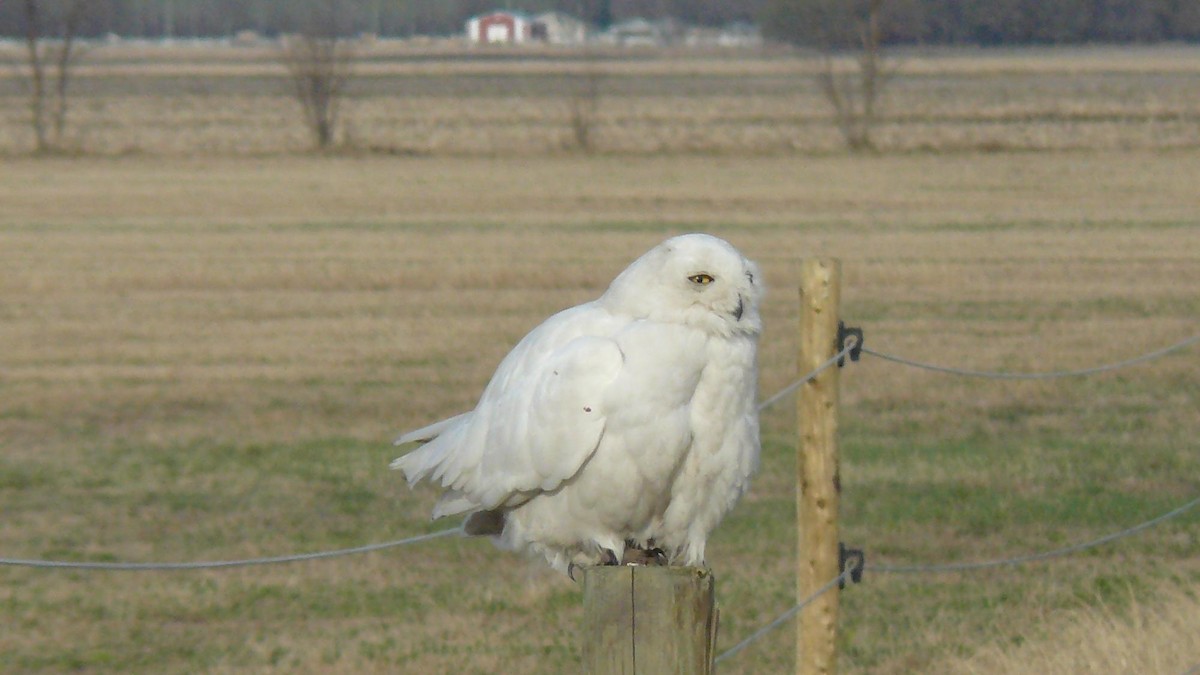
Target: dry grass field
206, 358
131, 99
208, 339
1138, 639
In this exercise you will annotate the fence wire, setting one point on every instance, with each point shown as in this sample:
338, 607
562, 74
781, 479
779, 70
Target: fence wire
851, 343
793, 611
970, 566
783, 618
1033, 557
215, 564
959, 567
1035, 376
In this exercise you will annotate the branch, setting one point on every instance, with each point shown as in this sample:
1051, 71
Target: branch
37, 73
33, 37
67, 57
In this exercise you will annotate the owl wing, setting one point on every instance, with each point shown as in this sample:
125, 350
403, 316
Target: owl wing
538, 421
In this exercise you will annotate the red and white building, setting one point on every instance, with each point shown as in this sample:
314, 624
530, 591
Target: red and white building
500, 27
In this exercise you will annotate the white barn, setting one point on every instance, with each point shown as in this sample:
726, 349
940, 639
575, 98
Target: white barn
557, 28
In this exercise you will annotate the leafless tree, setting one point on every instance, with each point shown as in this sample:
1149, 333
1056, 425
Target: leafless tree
855, 95
49, 62
319, 62
583, 86
584, 102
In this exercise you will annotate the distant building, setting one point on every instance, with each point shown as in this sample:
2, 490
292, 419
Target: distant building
506, 27
639, 32
636, 33
557, 28
734, 35
500, 27
741, 34
247, 38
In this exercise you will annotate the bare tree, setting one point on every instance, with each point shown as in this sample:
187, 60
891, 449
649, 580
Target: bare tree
584, 103
583, 95
855, 96
319, 62
49, 66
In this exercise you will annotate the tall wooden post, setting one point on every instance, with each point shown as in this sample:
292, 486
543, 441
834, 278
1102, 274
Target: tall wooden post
641, 620
818, 486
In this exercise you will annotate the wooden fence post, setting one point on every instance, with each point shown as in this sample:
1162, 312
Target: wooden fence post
817, 485
642, 620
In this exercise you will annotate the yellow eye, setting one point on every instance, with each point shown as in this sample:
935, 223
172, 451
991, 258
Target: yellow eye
702, 279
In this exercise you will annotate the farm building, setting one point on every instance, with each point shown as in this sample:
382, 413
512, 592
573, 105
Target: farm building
500, 27
506, 27
557, 28
732, 35
638, 32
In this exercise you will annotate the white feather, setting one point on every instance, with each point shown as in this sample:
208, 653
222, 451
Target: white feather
631, 417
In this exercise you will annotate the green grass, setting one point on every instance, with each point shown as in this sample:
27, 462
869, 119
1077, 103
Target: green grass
984, 492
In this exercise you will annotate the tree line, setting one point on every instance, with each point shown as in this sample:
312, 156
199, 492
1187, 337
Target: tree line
837, 23
811, 22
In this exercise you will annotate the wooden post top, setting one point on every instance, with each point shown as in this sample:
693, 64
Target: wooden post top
648, 619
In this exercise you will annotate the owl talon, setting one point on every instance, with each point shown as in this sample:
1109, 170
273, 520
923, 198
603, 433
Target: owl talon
653, 557
607, 559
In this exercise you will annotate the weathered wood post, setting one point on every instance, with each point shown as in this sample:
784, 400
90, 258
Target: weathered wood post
642, 620
817, 485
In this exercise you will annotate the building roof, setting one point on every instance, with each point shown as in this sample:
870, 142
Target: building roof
513, 13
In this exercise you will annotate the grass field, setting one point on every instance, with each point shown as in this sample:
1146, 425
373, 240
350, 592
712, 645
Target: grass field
208, 338
130, 99
205, 358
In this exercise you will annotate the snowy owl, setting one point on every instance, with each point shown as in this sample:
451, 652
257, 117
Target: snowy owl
619, 430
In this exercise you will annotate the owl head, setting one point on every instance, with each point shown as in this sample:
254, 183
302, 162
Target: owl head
694, 279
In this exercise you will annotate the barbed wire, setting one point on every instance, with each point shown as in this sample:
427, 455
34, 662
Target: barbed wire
214, 564
1035, 376
783, 618
959, 567
851, 343
1033, 557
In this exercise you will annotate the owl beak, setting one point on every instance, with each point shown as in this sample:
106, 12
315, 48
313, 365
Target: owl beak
737, 312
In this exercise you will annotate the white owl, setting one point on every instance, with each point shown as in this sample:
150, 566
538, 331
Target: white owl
628, 422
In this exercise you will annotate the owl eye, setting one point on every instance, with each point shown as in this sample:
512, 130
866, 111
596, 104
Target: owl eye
701, 279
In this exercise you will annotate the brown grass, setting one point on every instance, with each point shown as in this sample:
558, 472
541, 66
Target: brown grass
440, 101
225, 284
206, 357
1075, 192
1160, 637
